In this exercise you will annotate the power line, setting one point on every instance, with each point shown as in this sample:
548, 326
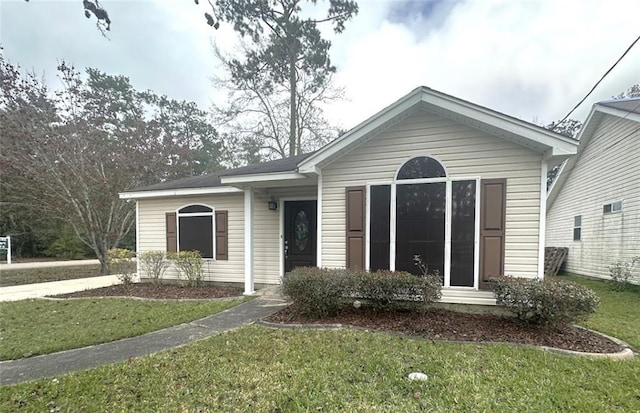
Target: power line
601, 79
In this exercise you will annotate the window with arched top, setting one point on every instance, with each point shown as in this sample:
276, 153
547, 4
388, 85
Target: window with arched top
196, 229
421, 167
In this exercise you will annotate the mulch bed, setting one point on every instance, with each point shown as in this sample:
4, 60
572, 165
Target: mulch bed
165, 291
439, 324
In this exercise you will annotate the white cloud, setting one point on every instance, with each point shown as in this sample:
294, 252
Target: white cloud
527, 58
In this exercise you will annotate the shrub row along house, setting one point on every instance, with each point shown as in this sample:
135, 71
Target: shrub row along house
593, 207
459, 185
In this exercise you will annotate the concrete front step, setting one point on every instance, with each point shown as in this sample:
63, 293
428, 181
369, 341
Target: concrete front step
467, 296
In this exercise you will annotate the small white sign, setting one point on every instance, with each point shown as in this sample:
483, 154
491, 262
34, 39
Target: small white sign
5, 245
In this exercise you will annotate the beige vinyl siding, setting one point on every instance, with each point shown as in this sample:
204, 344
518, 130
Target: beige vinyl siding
267, 236
465, 152
608, 170
152, 234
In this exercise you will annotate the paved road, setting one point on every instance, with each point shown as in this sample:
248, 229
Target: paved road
22, 292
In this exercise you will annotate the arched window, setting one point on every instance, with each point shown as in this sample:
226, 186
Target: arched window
196, 230
421, 167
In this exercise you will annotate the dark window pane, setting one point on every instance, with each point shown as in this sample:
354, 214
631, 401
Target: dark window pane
421, 167
607, 208
196, 233
463, 231
420, 219
380, 227
577, 232
194, 209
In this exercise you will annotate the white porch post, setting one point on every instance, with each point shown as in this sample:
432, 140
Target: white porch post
319, 223
543, 216
248, 242
138, 275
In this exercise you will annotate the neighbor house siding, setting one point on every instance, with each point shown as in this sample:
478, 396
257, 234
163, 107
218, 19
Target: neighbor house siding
465, 152
267, 236
607, 170
152, 232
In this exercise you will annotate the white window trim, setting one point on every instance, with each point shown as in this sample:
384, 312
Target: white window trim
448, 215
617, 211
573, 236
212, 214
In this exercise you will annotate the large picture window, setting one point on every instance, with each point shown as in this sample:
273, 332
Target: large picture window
425, 213
196, 230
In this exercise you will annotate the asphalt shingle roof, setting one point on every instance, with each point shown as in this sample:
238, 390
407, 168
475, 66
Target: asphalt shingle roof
213, 180
631, 105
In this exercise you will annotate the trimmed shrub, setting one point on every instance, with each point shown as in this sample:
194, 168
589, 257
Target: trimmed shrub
316, 292
320, 292
189, 265
121, 263
391, 290
154, 264
553, 304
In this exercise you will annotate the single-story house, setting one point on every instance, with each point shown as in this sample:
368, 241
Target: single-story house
593, 207
457, 184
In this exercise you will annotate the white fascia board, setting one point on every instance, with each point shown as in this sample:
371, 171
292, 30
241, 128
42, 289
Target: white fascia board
309, 165
179, 192
499, 120
447, 103
617, 112
253, 178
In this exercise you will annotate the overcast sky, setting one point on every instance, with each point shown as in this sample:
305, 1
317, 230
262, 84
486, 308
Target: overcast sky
531, 59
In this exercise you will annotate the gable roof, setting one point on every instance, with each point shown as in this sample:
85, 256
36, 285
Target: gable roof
628, 108
557, 147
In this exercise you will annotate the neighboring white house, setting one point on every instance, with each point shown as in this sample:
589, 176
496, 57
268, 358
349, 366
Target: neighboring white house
593, 207
460, 185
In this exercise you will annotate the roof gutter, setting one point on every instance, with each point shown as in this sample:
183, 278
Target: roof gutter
179, 192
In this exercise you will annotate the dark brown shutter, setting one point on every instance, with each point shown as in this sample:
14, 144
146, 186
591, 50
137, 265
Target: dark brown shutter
355, 209
222, 235
493, 198
172, 234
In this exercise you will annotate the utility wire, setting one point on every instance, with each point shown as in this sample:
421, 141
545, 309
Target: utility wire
601, 79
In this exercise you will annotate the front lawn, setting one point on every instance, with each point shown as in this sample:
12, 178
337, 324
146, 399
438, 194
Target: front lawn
619, 312
31, 327
264, 370
11, 276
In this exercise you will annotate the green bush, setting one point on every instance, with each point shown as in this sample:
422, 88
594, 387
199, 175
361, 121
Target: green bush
553, 304
390, 290
320, 292
121, 263
316, 292
154, 264
189, 265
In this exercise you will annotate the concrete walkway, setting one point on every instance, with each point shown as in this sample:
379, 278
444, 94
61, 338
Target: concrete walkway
22, 292
45, 264
16, 371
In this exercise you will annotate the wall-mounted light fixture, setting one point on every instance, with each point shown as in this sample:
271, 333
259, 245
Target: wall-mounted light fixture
273, 204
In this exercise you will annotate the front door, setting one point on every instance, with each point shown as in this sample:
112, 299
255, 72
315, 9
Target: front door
299, 234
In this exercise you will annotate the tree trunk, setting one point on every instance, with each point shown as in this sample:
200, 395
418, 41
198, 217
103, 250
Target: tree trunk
293, 121
104, 266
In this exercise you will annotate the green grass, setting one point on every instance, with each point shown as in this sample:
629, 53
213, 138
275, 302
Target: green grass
10, 277
31, 327
618, 313
256, 369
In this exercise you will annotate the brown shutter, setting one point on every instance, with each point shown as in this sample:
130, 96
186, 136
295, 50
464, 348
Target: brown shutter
222, 235
493, 198
355, 209
172, 234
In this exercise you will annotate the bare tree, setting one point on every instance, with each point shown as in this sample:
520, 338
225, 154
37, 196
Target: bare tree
259, 118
